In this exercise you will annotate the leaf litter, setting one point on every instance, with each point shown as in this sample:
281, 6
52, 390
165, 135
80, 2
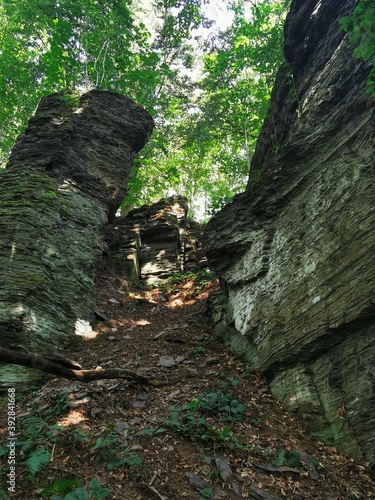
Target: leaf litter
173, 441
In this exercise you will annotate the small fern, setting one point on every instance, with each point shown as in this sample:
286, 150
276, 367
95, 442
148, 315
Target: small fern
37, 459
35, 428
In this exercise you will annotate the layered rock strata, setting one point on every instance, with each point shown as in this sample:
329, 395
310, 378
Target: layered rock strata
295, 252
66, 176
154, 242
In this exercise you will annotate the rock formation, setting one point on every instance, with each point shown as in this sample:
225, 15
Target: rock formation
66, 176
154, 242
295, 252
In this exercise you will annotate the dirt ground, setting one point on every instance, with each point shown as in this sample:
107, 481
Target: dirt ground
190, 438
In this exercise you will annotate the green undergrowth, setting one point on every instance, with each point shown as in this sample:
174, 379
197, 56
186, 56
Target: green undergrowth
73, 490
200, 280
38, 434
207, 419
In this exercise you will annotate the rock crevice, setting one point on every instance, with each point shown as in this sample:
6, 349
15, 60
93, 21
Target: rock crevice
156, 241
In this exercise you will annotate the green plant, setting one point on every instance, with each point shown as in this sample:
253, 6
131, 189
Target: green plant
360, 27
33, 428
219, 403
148, 432
71, 99
37, 459
36, 434
197, 419
203, 277
107, 450
49, 194
36, 431
60, 405
291, 458
171, 284
196, 351
61, 487
72, 490
206, 492
72, 436
205, 339
200, 279
229, 382
190, 424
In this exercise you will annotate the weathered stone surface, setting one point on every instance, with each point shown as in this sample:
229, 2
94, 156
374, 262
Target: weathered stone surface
295, 252
155, 241
66, 176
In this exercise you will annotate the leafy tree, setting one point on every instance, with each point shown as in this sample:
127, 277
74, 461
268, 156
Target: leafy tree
206, 126
215, 135
360, 27
49, 46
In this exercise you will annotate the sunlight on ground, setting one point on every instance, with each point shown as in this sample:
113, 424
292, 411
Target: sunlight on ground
74, 417
142, 322
84, 329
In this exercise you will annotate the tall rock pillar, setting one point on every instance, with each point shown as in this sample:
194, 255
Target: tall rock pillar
66, 176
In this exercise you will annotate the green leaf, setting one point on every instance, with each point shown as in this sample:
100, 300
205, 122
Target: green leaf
37, 459
96, 489
280, 457
242, 41
293, 459
78, 494
344, 24
359, 26
367, 47
61, 486
290, 458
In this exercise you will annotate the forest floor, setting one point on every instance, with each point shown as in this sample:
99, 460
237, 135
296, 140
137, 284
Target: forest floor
212, 431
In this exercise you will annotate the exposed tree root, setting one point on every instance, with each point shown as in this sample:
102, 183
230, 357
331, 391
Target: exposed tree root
60, 368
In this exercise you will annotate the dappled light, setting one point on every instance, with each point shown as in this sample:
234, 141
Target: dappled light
211, 415
74, 417
83, 329
217, 343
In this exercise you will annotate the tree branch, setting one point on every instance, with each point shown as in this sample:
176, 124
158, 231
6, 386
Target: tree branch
60, 369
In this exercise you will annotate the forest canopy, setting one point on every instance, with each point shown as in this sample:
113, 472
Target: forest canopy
206, 83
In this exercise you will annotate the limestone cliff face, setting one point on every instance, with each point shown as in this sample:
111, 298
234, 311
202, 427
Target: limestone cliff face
66, 176
295, 252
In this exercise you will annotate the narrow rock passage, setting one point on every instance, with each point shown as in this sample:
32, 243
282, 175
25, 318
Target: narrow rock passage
216, 433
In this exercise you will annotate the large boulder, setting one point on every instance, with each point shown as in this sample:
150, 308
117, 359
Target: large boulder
66, 176
295, 252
